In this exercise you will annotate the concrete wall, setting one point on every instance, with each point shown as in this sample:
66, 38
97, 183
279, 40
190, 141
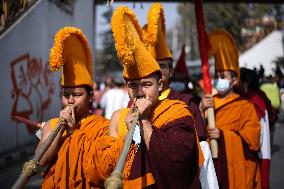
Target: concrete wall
28, 88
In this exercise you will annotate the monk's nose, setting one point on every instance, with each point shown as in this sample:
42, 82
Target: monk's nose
71, 100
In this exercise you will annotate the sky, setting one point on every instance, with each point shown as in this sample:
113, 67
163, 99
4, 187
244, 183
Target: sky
170, 11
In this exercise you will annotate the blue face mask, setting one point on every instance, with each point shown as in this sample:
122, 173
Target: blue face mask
178, 86
222, 85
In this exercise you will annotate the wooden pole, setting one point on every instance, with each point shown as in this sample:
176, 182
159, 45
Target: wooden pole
30, 168
203, 50
115, 179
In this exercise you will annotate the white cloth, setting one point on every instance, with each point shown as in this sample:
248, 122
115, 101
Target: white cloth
207, 177
265, 151
137, 135
112, 100
38, 134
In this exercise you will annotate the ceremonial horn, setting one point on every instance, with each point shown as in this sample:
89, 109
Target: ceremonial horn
114, 181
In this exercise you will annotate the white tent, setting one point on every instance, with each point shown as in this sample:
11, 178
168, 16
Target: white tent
264, 53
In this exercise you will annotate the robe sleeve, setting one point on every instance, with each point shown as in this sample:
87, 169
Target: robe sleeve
249, 128
102, 159
199, 121
172, 154
220, 163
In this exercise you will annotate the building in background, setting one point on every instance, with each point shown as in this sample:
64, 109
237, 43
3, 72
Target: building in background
28, 88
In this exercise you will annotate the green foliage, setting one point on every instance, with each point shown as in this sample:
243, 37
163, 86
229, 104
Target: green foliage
106, 58
228, 16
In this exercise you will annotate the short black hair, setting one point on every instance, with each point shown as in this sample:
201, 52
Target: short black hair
251, 77
157, 74
233, 74
169, 61
88, 88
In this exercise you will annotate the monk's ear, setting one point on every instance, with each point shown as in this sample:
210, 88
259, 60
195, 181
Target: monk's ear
160, 83
235, 81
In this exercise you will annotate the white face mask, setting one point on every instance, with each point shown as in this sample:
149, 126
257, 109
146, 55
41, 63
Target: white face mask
222, 85
178, 86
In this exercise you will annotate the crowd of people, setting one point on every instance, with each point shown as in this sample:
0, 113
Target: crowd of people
167, 150
109, 96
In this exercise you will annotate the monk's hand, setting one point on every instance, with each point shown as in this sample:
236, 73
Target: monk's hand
68, 114
213, 133
144, 106
206, 102
130, 116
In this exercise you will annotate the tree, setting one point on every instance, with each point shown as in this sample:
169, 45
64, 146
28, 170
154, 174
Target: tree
228, 16
106, 59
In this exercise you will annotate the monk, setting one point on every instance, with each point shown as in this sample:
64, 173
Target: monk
78, 157
237, 124
249, 89
159, 50
165, 148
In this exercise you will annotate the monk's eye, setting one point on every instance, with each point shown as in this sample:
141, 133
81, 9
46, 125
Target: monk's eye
131, 85
66, 95
148, 84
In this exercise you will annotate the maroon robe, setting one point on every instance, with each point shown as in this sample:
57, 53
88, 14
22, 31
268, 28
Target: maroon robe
173, 155
199, 121
180, 170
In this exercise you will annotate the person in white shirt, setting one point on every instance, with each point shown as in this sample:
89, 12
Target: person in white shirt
114, 99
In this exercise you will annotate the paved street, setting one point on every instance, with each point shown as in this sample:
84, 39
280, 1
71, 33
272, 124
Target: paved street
277, 163
9, 174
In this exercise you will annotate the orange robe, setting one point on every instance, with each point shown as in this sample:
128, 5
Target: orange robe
174, 156
85, 158
237, 119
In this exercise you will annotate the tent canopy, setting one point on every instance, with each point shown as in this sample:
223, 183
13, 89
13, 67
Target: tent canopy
264, 53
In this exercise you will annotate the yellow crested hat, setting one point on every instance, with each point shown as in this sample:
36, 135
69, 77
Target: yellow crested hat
225, 51
155, 33
72, 52
131, 51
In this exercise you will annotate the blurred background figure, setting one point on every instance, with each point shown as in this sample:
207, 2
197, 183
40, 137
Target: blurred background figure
114, 98
249, 89
272, 91
107, 84
181, 81
96, 108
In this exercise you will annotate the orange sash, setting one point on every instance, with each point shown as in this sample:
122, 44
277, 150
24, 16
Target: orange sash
164, 112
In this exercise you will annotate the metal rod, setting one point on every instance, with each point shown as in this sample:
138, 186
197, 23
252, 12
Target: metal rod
30, 168
115, 179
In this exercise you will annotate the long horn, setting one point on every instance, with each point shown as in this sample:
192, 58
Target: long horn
115, 179
26, 121
30, 168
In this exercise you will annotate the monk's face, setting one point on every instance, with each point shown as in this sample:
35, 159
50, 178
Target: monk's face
167, 71
78, 97
149, 88
228, 75
224, 82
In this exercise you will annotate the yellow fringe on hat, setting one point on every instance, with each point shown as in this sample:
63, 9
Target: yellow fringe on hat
124, 49
137, 61
224, 50
156, 12
56, 52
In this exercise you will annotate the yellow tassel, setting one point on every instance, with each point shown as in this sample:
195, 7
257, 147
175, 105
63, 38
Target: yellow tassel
156, 12
56, 52
124, 48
